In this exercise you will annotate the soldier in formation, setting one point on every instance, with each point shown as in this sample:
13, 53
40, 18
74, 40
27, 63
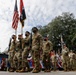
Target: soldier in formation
12, 52
66, 60
37, 43
25, 53
18, 54
72, 60
47, 47
54, 61
20, 49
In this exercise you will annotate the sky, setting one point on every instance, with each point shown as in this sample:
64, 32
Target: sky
38, 12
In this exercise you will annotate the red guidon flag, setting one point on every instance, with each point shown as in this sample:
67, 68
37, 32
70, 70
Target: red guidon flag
22, 13
15, 17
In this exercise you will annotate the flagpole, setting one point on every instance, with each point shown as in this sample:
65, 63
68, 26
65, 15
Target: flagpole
21, 30
16, 32
22, 27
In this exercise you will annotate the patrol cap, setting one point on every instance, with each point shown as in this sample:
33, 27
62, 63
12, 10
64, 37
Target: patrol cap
20, 35
35, 28
13, 36
27, 32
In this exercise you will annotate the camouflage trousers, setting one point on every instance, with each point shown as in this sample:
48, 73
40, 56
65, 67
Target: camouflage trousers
66, 63
36, 59
75, 64
10, 58
17, 60
72, 64
46, 60
25, 54
54, 65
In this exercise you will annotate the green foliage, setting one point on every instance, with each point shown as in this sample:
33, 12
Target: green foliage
64, 25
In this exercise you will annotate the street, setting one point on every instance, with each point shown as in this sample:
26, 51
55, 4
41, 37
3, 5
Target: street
41, 73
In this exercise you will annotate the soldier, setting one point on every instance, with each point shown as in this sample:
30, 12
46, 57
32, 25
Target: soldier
54, 61
47, 47
75, 61
37, 43
65, 61
25, 53
12, 52
72, 60
18, 54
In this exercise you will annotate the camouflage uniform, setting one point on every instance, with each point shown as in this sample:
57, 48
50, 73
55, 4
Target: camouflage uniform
72, 60
37, 42
25, 53
47, 47
18, 55
66, 60
75, 62
54, 61
12, 52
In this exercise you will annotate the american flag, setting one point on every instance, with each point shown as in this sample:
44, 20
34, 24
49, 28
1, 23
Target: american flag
15, 17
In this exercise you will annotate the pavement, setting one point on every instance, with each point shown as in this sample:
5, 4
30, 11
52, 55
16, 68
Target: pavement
41, 73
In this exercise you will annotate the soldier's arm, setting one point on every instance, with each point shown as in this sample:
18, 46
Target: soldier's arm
67, 49
40, 41
23, 43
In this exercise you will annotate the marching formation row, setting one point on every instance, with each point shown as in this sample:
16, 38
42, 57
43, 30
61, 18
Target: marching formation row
40, 49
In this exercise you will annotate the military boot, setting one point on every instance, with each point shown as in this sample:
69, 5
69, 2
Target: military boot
17, 70
11, 70
35, 71
45, 70
48, 70
22, 70
27, 69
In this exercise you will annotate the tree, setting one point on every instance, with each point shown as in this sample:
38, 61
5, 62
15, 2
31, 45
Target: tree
64, 25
